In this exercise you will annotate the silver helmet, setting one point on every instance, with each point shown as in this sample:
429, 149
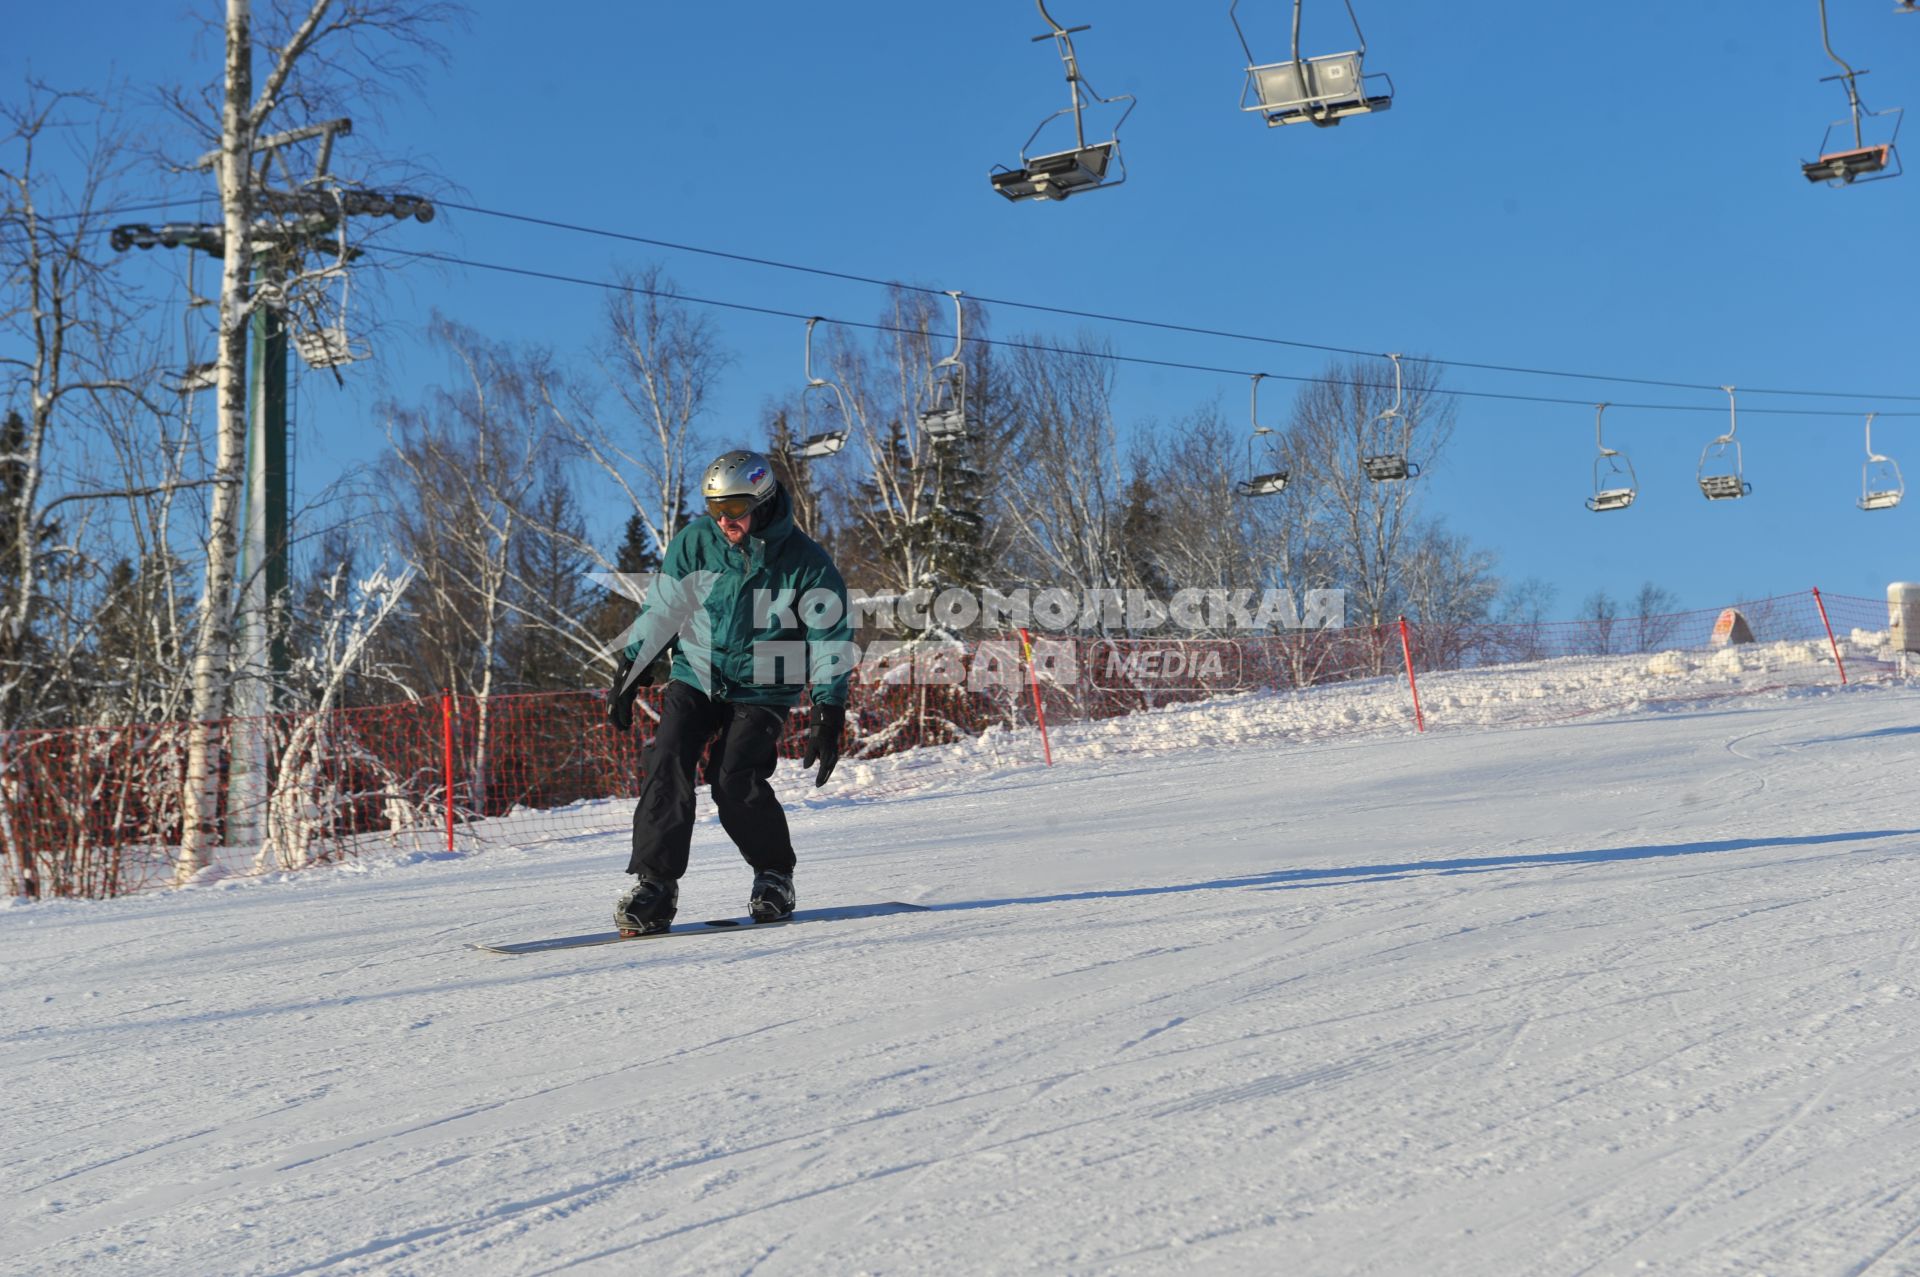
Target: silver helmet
738, 483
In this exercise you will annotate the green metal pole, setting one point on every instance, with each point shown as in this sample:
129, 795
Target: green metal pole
278, 532
267, 478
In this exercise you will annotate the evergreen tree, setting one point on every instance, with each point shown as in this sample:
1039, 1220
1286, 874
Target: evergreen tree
635, 555
1142, 527
551, 593
956, 550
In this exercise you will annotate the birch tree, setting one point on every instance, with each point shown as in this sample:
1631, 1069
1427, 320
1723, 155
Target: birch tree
1370, 526
470, 468
299, 807
1063, 502
317, 53
661, 362
67, 363
913, 502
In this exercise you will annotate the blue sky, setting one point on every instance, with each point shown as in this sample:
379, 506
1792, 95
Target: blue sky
1607, 189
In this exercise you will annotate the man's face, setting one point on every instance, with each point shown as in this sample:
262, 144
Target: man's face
735, 529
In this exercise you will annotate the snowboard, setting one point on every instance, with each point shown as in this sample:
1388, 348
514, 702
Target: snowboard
712, 926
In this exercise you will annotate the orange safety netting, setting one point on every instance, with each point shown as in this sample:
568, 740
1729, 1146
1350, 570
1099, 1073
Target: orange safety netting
96, 811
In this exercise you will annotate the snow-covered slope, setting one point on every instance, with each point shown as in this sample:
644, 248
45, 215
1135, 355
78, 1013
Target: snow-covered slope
1632, 994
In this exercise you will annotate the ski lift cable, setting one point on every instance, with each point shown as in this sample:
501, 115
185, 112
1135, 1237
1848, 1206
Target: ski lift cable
603, 285
1134, 321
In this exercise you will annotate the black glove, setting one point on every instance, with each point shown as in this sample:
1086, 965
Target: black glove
620, 699
823, 740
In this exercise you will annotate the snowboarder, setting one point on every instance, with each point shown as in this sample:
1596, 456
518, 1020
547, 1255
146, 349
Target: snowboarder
737, 590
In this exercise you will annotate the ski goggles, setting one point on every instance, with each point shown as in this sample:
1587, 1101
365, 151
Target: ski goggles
731, 507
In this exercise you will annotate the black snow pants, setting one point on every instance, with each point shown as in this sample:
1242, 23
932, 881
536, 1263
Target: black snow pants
749, 736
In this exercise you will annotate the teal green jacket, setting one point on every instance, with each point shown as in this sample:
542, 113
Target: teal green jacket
752, 623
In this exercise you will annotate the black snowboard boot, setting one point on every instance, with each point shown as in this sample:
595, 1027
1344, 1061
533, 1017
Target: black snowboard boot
773, 898
647, 908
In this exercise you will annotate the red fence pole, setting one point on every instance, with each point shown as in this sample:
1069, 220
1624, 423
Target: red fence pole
1406, 648
446, 756
1039, 710
1830, 639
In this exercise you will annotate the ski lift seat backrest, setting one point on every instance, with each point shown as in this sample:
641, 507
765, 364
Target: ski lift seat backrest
1263, 485
1324, 81
1388, 467
1323, 90
946, 421
1610, 499
1723, 487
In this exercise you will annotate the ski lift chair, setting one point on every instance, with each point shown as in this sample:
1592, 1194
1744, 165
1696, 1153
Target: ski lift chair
1261, 483
1614, 485
946, 419
832, 400
326, 343
945, 416
824, 444
1082, 167
1056, 176
328, 346
1881, 485
1389, 467
1723, 487
1720, 472
1861, 162
1321, 90
1385, 466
